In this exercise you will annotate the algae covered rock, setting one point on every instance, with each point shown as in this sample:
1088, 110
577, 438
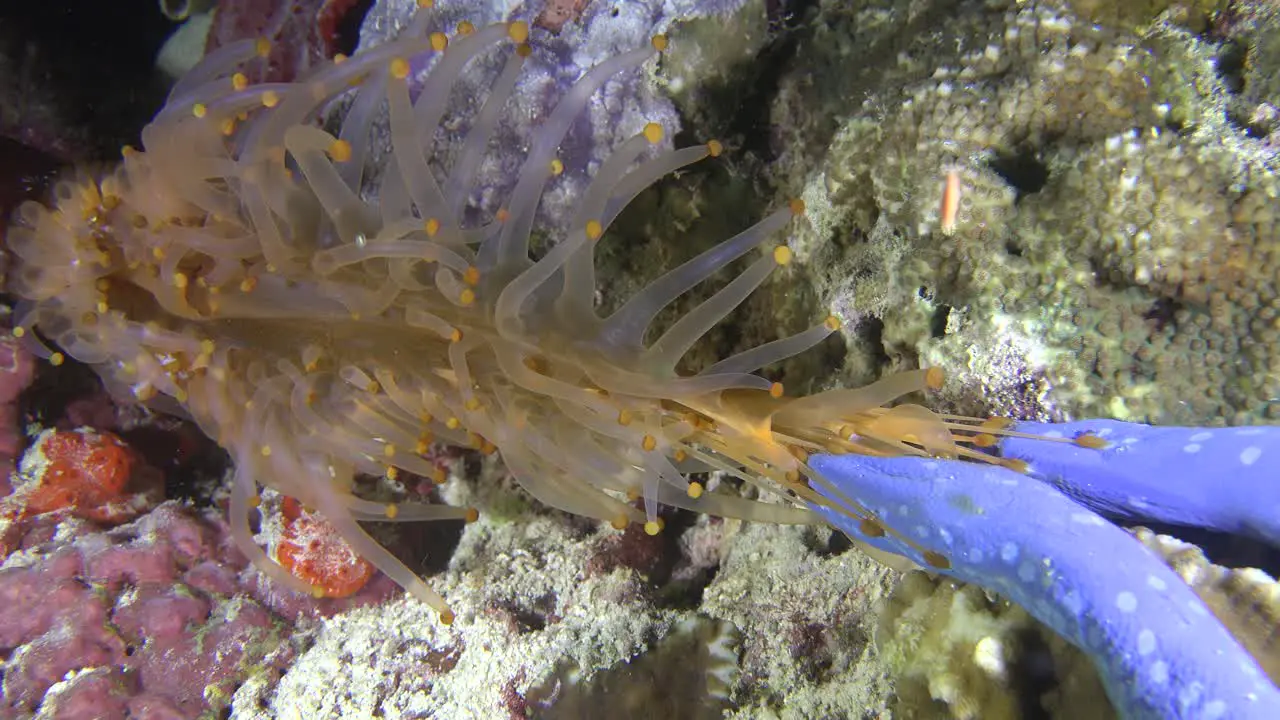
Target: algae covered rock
1112, 249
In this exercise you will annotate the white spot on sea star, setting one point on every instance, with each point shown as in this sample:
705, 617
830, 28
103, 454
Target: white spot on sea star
1126, 601
1250, 455
1072, 602
1146, 642
1191, 448
1009, 553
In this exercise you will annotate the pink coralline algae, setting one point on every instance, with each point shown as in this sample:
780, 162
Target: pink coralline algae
158, 618
17, 368
144, 605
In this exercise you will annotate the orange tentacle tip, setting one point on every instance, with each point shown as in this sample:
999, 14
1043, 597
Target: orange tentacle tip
1089, 440
937, 560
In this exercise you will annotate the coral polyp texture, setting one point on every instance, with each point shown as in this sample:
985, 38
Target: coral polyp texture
1115, 247
233, 272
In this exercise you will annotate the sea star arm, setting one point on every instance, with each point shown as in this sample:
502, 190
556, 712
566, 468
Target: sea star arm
1159, 650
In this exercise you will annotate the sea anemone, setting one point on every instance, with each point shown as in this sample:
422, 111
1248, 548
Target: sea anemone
234, 273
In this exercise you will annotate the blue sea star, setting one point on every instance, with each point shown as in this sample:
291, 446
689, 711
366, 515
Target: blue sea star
1037, 540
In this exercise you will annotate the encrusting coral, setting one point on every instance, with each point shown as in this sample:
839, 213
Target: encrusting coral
234, 273
1114, 248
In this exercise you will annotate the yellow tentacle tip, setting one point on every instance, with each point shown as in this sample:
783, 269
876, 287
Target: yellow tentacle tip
653, 527
518, 31
984, 440
832, 322
652, 132
714, 148
870, 528
996, 423
695, 490
796, 206
446, 617
1089, 440
340, 150
659, 42
782, 255
1016, 464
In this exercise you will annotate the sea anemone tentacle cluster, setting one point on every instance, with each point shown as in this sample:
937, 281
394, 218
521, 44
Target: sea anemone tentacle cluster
234, 271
